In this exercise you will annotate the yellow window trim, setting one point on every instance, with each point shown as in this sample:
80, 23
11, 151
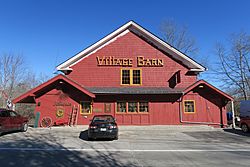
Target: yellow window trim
91, 108
138, 108
116, 107
184, 106
131, 76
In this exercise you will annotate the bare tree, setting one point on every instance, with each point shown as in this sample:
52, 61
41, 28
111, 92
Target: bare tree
11, 72
178, 37
234, 69
29, 81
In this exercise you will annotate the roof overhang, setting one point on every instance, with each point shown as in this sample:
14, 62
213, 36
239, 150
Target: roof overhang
140, 31
134, 91
25, 98
201, 83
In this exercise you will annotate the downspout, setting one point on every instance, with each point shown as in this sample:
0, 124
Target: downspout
191, 122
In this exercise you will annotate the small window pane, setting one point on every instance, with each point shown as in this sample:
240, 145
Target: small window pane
125, 77
136, 76
86, 107
143, 106
132, 106
189, 106
121, 107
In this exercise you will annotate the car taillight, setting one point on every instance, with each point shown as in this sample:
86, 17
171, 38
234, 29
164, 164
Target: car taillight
112, 127
92, 127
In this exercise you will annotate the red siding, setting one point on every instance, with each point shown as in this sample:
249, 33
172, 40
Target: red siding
165, 113
89, 74
48, 108
163, 109
207, 109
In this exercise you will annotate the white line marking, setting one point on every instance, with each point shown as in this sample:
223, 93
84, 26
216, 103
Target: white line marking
117, 150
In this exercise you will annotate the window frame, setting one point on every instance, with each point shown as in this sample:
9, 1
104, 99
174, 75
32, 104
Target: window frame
139, 107
116, 107
184, 107
131, 76
81, 107
136, 112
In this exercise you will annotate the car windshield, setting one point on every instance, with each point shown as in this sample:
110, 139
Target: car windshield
103, 119
3, 113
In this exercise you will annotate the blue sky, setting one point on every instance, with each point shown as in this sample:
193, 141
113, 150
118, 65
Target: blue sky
48, 32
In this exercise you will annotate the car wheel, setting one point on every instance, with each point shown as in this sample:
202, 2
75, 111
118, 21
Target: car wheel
244, 128
116, 138
25, 127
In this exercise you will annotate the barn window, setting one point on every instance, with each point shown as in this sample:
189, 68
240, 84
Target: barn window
143, 107
86, 107
136, 77
125, 77
131, 76
189, 106
121, 107
132, 107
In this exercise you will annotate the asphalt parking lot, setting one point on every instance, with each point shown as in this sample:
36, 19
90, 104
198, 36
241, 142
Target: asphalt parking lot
137, 146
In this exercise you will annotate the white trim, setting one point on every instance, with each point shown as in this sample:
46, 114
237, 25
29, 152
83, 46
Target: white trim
132, 26
94, 46
100, 47
66, 69
169, 47
198, 70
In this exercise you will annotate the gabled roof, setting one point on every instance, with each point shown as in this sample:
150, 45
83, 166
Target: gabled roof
211, 87
60, 77
146, 35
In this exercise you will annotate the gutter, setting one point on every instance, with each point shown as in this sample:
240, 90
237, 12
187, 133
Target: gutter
191, 122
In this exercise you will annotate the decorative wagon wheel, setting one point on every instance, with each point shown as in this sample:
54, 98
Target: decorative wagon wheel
46, 122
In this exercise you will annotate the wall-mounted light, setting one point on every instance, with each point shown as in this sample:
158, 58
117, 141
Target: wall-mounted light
201, 86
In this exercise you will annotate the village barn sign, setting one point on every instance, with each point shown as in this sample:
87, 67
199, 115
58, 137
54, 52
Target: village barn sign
141, 61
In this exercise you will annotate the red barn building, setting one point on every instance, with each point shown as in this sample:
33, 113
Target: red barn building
136, 77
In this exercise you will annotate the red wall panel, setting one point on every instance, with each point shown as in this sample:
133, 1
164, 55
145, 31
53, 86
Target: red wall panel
163, 109
89, 74
207, 109
51, 102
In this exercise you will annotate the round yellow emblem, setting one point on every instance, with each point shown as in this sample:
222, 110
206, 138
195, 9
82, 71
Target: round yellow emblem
59, 113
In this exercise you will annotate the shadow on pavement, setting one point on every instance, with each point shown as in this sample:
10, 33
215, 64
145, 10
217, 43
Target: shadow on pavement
10, 132
84, 136
237, 131
41, 150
